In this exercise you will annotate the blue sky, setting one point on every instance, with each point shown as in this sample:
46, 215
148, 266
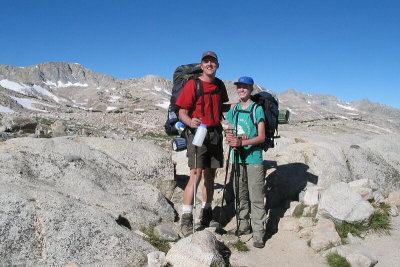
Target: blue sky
349, 49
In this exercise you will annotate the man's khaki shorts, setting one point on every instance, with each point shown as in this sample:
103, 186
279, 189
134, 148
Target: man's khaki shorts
210, 154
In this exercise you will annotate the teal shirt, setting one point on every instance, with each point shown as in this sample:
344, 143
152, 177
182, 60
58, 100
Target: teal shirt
246, 127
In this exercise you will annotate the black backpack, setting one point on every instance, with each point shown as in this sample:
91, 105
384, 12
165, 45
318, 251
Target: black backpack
183, 74
270, 106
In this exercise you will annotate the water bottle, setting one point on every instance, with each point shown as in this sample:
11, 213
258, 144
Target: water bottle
200, 135
180, 126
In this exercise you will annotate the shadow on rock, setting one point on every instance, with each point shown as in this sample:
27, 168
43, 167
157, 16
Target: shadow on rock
283, 184
181, 180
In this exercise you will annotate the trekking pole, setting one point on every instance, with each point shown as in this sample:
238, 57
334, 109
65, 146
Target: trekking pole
198, 140
194, 188
219, 228
236, 178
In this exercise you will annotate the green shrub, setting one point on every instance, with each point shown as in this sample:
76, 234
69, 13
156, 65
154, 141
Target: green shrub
299, 211
335, 260
240, 246
345, 228
155, 240
157, 136
380, 222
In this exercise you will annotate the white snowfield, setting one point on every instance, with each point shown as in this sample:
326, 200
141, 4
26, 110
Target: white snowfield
109, 108
4, 109
27, 103
27, 89
346, 107
60, 84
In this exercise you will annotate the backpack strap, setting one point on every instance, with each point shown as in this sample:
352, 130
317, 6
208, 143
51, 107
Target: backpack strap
199, 88
252, 112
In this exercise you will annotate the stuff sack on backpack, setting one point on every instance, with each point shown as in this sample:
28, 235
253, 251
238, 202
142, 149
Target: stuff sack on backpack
271, 111
182, 74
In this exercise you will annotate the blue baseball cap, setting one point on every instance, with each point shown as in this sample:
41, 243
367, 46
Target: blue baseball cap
245, 80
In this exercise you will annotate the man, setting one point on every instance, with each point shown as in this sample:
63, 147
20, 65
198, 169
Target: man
250, 175
196, 110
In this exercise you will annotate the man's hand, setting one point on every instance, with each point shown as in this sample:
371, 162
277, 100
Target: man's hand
195, 122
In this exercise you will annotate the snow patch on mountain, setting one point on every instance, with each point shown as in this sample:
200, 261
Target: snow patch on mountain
346, 107
60, 84
27, 89
114, 98
27, 103
4, 109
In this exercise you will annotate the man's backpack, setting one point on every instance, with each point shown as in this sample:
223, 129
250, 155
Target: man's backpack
270, 106
183, 74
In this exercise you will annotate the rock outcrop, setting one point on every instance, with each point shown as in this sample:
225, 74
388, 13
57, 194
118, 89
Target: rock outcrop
78, 199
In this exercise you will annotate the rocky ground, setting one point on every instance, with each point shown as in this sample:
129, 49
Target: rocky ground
289, 244
85, 164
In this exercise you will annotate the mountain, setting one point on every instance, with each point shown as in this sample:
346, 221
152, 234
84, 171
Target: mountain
65, 88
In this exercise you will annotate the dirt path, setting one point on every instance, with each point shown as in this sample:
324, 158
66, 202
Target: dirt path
286, 248
386, 247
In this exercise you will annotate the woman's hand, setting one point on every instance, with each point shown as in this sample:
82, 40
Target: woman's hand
235, 142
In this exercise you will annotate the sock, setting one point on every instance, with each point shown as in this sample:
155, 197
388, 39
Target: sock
205, 205
187, 208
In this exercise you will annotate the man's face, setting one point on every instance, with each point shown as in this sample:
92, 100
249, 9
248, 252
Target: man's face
209, 65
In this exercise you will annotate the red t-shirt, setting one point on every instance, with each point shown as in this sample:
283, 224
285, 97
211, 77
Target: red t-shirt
212, 109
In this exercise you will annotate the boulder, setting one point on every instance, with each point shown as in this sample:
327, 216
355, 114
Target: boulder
312, 195
295, 208
200, 249
289, 224
364, 183
58, 129
156, 259
324, 235
341, 204
393, 211
393, 199
357, 255
365, 193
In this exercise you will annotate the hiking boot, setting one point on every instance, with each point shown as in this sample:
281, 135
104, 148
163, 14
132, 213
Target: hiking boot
244, 228
258, 242
206, 216
245, 231
186, 224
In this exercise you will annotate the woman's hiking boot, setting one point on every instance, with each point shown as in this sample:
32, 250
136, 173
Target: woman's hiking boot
258, 242
206, 216
244, 228
186, 224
